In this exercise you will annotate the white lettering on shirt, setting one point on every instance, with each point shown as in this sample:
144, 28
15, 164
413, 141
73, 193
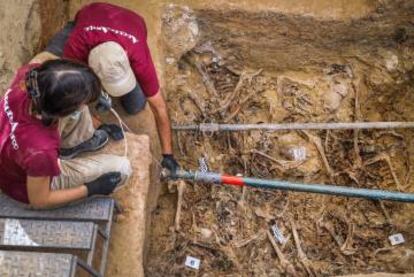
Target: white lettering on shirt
109, 29
13, 124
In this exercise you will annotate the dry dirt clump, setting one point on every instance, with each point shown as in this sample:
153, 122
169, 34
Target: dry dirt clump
270, 67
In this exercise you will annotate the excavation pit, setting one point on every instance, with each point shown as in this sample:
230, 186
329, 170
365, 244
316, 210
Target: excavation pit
233, 66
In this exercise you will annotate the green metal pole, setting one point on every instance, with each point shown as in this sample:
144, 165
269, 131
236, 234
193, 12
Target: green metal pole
217, 178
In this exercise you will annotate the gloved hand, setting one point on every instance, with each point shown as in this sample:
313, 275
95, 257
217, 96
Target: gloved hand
105, 184
168, 162
113, 130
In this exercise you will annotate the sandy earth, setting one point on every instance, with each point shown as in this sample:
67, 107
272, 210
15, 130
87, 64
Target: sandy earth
126, 253
26, 25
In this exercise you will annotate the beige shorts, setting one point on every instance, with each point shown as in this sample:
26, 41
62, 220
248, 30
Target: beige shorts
79, 171
75, 129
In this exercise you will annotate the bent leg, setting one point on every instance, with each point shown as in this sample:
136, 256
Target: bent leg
58, 41
76, 128
79, 171
134, 101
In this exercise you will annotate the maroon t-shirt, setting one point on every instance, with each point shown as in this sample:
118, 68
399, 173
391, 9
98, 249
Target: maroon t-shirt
100, 22
27, 147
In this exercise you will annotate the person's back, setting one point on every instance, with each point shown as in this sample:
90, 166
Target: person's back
113, 41
98, 23
101, 22
27, 147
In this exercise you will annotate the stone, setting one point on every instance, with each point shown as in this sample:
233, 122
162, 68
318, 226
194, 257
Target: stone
180, 29
293, 147
128, 233
206, 234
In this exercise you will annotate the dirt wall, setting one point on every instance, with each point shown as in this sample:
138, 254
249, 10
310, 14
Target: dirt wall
26, 25
126, 252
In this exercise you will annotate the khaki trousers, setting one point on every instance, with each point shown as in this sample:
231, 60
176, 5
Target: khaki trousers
75, 129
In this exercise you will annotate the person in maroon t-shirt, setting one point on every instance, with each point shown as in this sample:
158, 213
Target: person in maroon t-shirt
113, 41
40, 98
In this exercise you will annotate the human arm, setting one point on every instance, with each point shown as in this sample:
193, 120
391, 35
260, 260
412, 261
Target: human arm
41, 196
43, 57
159, 109
40, 164
146, 75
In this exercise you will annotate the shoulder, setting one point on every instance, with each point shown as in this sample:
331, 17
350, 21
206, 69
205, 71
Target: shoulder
38, 136
18, 83
22, 71
26, 68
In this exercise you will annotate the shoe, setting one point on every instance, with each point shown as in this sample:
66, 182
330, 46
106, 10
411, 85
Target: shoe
99, 140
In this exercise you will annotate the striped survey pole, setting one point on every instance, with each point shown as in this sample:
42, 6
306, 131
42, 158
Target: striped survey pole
217, 178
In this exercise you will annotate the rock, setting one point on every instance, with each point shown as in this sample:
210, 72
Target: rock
263, 214
391, 63
290, 145
170, 60
338, 90
120, 218
206, 234
128, 235
293, 147
390, 60
180, 30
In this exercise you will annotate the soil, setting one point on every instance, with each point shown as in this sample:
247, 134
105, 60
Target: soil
284, 63
26, 26
275, 67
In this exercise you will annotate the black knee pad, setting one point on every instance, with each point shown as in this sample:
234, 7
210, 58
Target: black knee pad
133, 108
134, 101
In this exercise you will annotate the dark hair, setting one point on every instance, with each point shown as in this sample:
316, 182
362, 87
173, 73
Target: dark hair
59, 87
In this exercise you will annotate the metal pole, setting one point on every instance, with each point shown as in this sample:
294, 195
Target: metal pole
215, 127
217, 178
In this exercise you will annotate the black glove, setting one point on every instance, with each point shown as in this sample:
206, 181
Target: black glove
104, 185
113, 130
170, 163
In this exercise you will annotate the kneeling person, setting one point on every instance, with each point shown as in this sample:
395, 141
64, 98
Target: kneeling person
113, 41
40, 99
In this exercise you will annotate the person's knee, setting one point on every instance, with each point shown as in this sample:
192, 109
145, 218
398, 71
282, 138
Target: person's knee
123, 166
134, 108
134, 101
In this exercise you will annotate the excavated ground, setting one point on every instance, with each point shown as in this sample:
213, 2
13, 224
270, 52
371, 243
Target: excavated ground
312, 61
245, 67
